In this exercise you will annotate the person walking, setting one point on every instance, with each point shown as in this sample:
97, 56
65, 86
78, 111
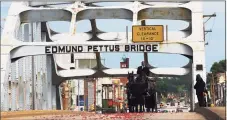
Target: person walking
200, 90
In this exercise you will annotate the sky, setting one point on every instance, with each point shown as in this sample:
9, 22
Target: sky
215, 50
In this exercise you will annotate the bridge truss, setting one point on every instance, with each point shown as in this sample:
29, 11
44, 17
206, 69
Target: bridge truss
19, 45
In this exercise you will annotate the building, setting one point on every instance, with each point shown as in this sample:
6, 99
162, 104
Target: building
82, 91
221, 77
220, 88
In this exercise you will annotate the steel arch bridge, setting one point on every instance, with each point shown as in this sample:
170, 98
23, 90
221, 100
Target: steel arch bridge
26, 33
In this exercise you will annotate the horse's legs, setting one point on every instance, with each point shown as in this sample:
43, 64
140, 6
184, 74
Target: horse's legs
141, 103
148, 109
130, 105
144, 104
141, 107
130, 109
136, 108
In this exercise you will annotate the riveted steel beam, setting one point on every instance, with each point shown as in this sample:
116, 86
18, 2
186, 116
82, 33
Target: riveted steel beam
165, 13
18, 52
89, 73
111, 13
44, 15
188, 42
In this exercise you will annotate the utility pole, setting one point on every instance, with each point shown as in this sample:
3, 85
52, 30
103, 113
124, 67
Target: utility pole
206, 31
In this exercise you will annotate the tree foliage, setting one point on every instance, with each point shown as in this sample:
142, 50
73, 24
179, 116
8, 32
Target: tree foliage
172, 85
209, 78
218, 67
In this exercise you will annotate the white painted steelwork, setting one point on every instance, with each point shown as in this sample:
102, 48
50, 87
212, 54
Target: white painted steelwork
188, 42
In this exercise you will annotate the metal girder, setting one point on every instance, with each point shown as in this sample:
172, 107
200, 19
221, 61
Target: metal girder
39, 49
54, 14
113, 37
94, 30
43, 15
94, 27
41, 2
111, 13
99, 65
165, 13
89, 73
190, 43
120, 12
34, 4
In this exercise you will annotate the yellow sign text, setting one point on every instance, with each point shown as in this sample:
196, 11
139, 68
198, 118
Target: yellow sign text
150, 33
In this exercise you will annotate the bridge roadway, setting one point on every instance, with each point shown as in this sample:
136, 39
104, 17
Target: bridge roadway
215, 113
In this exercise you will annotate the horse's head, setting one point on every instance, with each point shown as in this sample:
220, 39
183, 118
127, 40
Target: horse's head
130, 76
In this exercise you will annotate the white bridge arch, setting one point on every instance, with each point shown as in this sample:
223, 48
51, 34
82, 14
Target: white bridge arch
15, 43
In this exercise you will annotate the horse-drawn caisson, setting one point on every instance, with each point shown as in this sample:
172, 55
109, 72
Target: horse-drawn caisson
141, 92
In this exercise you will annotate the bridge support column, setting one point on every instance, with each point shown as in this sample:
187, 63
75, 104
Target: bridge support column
5, 70
53, 94
198, 68
189, 77
50, 89
58, 101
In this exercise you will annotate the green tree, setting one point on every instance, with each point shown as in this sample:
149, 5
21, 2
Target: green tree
218, 67
223, 65
172, 85
209, 78
180, 88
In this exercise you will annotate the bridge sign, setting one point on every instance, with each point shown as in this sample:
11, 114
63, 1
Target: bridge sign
149, 33
61, 49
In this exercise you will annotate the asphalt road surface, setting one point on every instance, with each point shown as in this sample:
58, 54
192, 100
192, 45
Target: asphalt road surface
120, 116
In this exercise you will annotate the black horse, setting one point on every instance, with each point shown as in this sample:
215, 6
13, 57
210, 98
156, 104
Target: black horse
150, 98
130, 98
136, 90
140, 92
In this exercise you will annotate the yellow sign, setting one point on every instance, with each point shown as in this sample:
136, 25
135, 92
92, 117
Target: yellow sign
116, 81
149, 33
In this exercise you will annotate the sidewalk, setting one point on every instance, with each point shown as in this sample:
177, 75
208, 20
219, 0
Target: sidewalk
212, 113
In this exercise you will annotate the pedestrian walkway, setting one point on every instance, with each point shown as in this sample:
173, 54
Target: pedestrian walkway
212, 113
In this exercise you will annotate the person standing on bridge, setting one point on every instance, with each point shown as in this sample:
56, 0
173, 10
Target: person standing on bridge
143, 68
200, 89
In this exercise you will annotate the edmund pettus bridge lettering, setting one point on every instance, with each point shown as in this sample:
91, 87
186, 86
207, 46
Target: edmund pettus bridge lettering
101, 48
